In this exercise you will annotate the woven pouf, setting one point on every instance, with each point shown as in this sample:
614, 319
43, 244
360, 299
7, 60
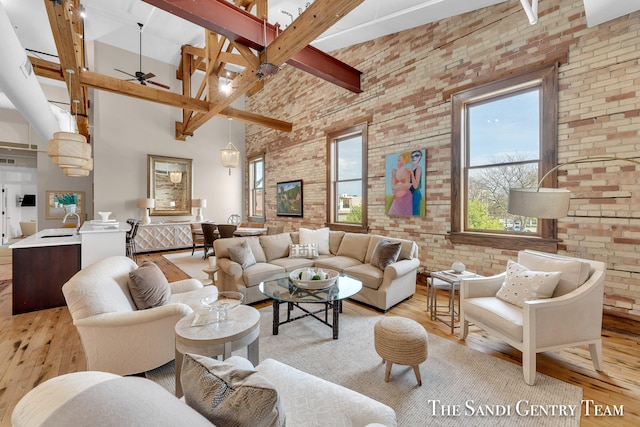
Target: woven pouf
401, 341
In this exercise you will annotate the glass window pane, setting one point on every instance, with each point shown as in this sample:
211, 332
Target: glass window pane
350, 158
349, 202
488, 192
504, 129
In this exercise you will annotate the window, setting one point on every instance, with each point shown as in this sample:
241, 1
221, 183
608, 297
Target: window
503, 135
256, 188
347, 178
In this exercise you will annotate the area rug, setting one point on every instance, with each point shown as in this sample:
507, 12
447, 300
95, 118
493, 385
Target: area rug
460, 386
190, 264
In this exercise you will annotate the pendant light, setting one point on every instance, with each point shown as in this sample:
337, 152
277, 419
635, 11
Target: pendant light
230, 155
70, 150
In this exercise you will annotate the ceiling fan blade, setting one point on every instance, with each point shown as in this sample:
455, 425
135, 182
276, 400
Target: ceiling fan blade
124, 72
159, 84
148, 76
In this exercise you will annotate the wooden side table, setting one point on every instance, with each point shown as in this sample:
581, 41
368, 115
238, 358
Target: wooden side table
211, 272
240, 329
447, 280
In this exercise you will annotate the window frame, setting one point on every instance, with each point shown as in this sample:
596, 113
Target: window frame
546, 239
332, 137
253, 217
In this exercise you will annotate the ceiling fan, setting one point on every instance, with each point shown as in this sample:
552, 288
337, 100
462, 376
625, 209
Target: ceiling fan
140, 76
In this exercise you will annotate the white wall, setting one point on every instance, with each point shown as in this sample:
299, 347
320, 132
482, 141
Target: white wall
126, 129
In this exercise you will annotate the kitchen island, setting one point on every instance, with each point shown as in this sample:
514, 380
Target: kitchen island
43, 262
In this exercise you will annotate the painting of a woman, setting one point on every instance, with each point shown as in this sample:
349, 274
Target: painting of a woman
405, 175
401, 187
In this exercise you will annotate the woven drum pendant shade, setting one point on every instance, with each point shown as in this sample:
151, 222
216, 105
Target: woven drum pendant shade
69, 150
82, 171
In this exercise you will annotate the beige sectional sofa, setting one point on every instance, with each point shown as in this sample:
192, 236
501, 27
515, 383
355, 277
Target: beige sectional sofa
349, 253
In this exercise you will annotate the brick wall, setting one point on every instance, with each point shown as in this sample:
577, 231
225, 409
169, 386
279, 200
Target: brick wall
405, 77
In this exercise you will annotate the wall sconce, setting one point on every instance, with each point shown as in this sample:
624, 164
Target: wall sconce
550, 203
146, 204
198, 204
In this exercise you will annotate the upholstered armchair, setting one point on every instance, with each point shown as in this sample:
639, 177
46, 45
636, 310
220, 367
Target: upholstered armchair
116, 336
571, 317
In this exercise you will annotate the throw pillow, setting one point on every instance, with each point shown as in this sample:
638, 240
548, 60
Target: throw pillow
242, 255
304, 251
228, 395
319, 236
522, 284
385, 253
148, 286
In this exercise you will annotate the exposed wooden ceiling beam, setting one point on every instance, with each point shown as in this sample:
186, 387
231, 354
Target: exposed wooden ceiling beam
237, 25
66, 27
136, 90
314, 21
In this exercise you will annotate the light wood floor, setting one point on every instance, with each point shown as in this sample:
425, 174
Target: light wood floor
40, 345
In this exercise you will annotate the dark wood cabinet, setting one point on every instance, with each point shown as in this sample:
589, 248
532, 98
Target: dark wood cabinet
39, 273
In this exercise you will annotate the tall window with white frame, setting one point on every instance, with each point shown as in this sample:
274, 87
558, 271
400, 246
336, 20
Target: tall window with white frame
347, 177
504, 136
256, 188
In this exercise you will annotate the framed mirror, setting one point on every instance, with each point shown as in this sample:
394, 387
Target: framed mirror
170, 184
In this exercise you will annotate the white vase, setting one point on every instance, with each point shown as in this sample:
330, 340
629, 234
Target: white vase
458, 267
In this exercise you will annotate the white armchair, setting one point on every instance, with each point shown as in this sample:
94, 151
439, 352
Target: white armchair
115, 335
570, 318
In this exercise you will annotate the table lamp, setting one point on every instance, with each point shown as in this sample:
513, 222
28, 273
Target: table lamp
146, 204
199, 204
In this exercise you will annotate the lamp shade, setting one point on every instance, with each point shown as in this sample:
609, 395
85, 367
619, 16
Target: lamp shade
146, 203
230, 156
199, 203
546, 203
175, 177
69, 150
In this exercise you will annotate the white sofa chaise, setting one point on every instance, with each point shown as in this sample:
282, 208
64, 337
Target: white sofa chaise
570, 318
350, 253
100, 399
115, 335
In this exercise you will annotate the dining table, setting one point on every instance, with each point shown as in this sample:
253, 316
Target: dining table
249, 231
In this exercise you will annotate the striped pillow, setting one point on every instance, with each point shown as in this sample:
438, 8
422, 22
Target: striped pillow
309, 250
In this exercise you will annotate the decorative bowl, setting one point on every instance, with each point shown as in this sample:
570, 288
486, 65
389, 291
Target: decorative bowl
303, 278
221, 303
104, 216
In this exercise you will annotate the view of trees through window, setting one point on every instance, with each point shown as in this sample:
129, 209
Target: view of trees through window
503, 142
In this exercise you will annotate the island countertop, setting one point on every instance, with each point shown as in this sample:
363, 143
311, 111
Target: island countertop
102, 227
49, 237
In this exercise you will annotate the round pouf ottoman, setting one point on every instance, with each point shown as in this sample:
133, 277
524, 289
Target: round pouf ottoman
401, 341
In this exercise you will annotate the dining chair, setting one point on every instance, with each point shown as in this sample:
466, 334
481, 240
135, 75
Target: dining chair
209, 235
130, 239
197, 236
226, 230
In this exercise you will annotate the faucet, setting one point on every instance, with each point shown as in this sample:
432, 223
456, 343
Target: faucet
64, 220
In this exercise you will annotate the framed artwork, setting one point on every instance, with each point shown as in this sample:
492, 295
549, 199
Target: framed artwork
405, 183
289, 196
57, 200
170, 184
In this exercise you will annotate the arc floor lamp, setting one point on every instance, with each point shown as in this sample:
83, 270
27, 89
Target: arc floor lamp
551, 203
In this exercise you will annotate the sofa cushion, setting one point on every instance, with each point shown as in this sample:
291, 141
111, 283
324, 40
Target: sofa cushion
230, 396
521, 284
335, 238
275, 246
222, 247
290, 264
385, 253
574, 272
499, 315
148, 286
242, 255
309, 251
260, 272
370, 276
354, 245
319, 236
336, 263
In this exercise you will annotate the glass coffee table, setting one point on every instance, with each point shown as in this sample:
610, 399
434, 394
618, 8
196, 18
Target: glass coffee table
281, 290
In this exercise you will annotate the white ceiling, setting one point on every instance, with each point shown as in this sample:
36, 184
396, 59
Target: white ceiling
114, 22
